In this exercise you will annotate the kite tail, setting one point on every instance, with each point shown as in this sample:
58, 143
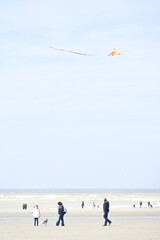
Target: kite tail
79, 53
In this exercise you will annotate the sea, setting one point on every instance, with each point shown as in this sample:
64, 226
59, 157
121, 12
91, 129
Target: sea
74, 197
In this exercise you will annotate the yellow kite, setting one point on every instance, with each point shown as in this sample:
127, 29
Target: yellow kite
115, 53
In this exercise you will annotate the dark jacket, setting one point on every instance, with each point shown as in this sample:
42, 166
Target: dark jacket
60, 209
106, 206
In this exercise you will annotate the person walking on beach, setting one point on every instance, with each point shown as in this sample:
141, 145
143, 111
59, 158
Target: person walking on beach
106, 211
61, 212
36, 215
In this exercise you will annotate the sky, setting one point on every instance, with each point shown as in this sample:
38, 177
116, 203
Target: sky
71, 121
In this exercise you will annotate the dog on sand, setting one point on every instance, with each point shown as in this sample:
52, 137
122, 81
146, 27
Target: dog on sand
45, 222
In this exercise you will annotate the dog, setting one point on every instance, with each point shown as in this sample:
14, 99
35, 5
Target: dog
45, 222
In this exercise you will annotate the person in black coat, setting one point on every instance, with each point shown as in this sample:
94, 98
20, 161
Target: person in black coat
82, 204
61, 213
106, 211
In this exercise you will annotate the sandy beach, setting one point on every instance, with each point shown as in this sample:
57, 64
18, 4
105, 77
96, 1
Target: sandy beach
127, 222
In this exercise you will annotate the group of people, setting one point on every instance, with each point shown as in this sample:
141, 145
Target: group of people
140, 204
62, 211
94, 205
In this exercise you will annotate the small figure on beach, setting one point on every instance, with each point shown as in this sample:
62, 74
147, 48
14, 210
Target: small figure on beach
150, 205
24, 206
140, 204
106, 211
36, 215
94, 204
134, 205
82, 204
61, 212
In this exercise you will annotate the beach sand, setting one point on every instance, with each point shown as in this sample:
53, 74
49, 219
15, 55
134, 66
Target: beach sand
128, 223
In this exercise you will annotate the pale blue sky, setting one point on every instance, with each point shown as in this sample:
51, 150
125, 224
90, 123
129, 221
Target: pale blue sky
70, 121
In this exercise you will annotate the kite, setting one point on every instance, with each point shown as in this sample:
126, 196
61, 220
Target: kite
113, 53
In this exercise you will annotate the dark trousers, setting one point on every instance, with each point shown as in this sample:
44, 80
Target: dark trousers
60, 219
35, 221
106, 218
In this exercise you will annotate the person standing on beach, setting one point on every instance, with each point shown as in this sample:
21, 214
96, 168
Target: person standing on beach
106, 211
36, 215
61, 213
82, 204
